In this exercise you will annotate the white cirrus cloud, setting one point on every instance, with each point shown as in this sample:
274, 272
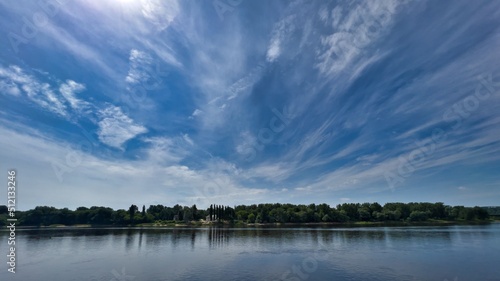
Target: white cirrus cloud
9, 87
69, 89
160, 13
188, 139
116, 128
14, 80
280, 31
165, 150
247, 142
355, 27
139, 67
196, 112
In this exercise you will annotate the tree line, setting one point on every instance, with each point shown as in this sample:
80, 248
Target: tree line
493, 211
221, 213
256, 213
44, 215
354, 212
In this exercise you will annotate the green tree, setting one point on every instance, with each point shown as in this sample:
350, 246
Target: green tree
131, 211
419, 216
379, 216
194, 212
251, 218
101, 215
82, 215
120, 217
364, 214
187, 214
211, 211
67, 217
258, 219
350, 209
326, 218
375, 207
480, 213
242, 215
397, 211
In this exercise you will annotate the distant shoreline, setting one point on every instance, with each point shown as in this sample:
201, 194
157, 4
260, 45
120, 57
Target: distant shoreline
265, 225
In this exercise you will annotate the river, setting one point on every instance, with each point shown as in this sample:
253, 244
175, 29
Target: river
453, 253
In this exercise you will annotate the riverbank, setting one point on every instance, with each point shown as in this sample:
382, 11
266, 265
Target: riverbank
284, 225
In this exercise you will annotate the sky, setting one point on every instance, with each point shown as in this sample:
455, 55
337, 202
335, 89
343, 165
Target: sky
120, 102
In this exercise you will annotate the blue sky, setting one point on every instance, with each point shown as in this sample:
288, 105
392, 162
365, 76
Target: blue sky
239, 102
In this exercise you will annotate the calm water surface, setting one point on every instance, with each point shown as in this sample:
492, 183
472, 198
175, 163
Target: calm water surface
377, 253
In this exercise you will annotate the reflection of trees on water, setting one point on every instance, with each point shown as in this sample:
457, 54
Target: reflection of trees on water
193, 238
175, 235
179, 237
140, 239
129, 239
218, 237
